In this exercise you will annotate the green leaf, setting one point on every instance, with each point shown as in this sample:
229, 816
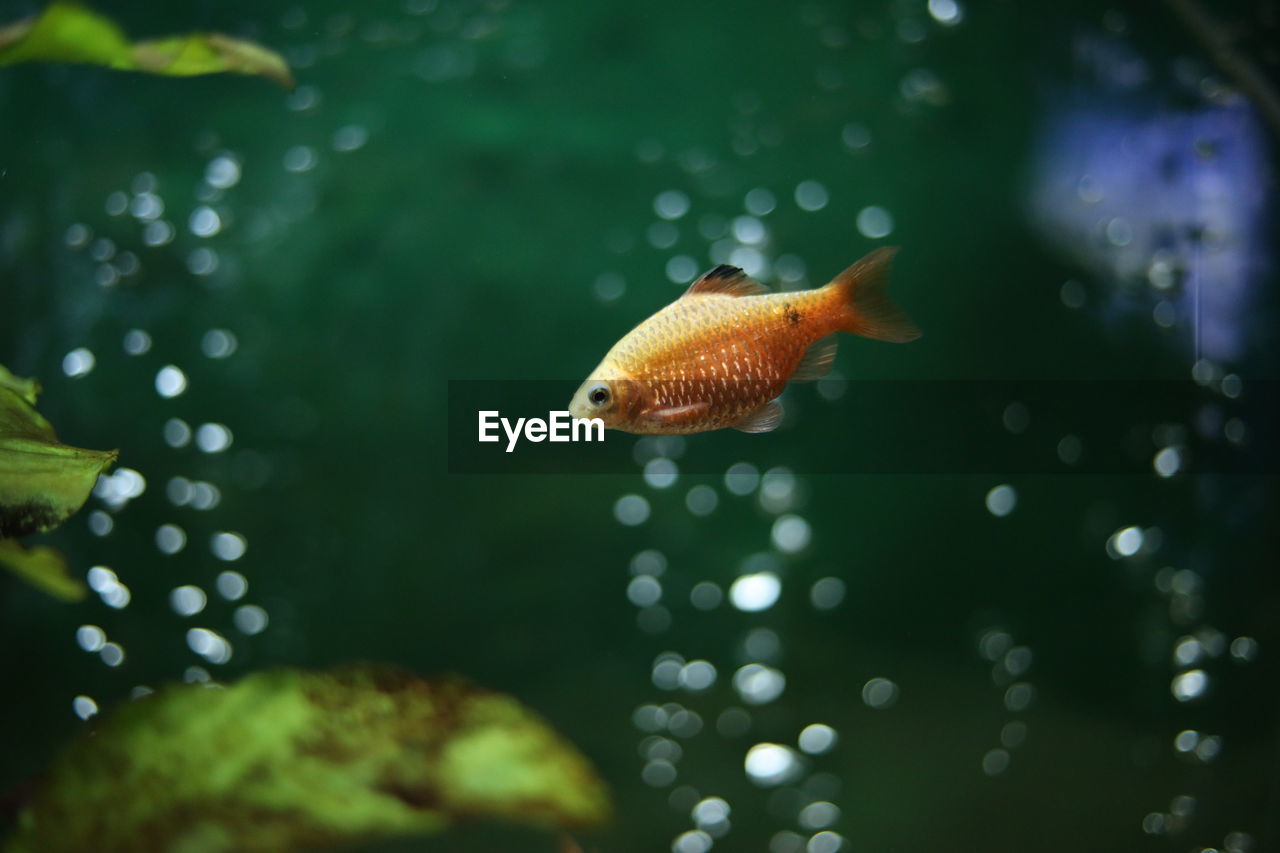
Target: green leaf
27, 389
184, 56
69, 32
288, 759
42, 481
44, 568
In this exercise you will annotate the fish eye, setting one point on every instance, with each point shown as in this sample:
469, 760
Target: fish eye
598, 395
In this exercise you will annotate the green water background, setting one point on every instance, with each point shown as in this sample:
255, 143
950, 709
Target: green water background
462, 242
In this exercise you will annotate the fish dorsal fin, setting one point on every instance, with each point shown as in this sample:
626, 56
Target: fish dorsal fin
726, 280
764, 419
817, 359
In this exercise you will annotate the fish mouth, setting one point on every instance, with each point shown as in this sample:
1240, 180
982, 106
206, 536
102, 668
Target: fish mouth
578, 406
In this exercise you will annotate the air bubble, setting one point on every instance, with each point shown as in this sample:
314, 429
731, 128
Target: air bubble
879, 693
875, 222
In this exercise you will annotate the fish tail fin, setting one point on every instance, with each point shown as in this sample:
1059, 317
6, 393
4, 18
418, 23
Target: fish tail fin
868, 310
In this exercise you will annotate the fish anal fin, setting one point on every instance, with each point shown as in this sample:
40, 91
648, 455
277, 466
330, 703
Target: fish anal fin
764, 419
728, 281
817, 360
868, 309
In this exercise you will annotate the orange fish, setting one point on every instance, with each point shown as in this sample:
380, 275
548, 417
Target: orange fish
720, 354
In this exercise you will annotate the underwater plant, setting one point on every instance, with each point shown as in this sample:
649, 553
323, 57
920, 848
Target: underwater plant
69, 32
286, 759
759, 642
42, 483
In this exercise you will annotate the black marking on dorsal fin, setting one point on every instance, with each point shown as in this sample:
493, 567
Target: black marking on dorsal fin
726, 280
723, 271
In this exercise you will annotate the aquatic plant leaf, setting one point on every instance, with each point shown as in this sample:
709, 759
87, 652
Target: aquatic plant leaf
287, 759
69, 32
63, 32
210, 53
42, 481
27, 389
44, 568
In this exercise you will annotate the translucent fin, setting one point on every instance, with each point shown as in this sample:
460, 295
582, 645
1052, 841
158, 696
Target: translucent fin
764, 419
817, 360
871, 313
728, 280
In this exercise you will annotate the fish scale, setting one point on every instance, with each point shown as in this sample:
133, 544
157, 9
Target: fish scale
687, 351
720, 354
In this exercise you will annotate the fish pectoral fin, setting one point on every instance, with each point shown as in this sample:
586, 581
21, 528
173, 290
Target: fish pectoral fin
674, 415
764, 419
727, 281
817, 359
